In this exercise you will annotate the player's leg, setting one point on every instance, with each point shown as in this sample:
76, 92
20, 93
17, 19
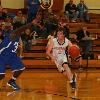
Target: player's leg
17, 69
80, 64
2, 76
67, 72
62, 62
72, 78
79, 60
2, 69
12, 81
62, 65
2, 72
1, 79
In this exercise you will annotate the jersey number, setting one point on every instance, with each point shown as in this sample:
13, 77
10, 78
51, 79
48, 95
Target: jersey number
16, 47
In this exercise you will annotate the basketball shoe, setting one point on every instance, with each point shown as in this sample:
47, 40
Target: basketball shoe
73, 83
13, 85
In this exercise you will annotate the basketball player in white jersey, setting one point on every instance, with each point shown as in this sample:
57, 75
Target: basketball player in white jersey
57, 52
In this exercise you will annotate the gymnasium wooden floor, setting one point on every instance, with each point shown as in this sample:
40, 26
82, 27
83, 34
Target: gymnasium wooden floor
49, 84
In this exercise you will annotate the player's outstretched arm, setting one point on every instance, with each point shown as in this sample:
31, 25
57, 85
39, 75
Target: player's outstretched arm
18, 31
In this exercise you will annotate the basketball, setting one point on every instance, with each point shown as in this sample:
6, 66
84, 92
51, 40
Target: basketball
74, 51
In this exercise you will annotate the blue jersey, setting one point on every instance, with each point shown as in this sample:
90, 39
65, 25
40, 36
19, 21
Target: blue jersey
9, 48
8, 55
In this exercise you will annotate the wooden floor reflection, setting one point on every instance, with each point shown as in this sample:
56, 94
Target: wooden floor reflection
48, 84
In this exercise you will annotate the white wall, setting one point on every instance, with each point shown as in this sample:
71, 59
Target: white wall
17, 4
92, 4
14, 4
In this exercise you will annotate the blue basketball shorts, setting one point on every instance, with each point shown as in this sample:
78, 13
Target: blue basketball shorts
14, 62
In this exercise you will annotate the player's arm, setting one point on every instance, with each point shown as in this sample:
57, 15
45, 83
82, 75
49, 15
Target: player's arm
4, 43
18, 31
20, 43
49, 50
69, 43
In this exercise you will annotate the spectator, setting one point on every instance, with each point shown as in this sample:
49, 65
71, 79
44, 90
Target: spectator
38, 26
1, 23
51, 23
33, 7
8, 23
27, 39
83, 11
71, 11
4, 14
1, 36
63, 23
84, 39
19, 19
7, 26
1, 12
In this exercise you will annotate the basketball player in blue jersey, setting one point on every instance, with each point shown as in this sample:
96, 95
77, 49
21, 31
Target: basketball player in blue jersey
8, 56
57, 52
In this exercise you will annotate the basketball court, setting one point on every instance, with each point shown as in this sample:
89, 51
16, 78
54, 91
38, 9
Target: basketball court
49, 84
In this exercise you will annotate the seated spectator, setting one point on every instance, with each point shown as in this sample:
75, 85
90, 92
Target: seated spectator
51, 23
7, 26
83, 11
1, 36
1, 23
1, 12
19, 19
71, 11
63, 23
8, 23
27, 39
4, 14
85, 40
38, 26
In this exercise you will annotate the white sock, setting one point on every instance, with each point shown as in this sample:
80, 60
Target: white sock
13, 78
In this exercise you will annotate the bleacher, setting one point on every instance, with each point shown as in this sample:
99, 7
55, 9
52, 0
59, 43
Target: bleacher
36, 57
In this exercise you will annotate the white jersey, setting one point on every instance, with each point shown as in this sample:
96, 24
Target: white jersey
59, 52
59, 49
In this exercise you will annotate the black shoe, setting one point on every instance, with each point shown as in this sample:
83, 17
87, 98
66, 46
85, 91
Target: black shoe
13, 85
74, 78
73, 83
